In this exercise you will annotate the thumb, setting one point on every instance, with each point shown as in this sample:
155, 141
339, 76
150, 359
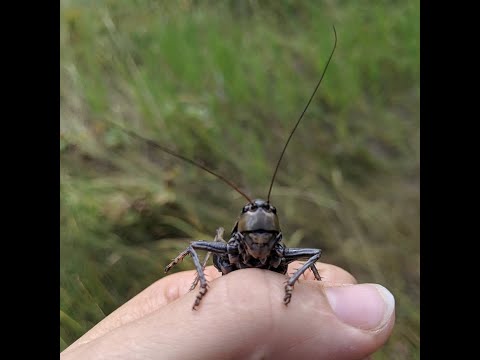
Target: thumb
321, 322
246, 318
356, 322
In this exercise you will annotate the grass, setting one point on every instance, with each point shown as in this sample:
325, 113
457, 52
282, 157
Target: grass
224, 83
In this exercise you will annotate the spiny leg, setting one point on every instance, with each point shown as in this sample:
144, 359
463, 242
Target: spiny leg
218, 237
197, 277
298, 254
177, 259
203, 282
315, 272
216, 247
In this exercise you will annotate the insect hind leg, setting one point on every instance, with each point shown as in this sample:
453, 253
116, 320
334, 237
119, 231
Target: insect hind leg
218, 238
215, 247
201, 276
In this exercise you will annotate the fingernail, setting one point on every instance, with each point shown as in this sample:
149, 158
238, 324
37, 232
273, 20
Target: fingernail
364, 306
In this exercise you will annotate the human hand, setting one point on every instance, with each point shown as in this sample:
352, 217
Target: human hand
243, 317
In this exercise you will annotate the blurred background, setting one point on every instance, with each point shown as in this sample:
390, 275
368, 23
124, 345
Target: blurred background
223, 83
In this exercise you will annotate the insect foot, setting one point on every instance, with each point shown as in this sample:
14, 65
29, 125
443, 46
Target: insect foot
288, 294
200, 295
177, 260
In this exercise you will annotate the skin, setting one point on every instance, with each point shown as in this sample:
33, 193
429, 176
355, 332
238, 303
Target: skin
243, 317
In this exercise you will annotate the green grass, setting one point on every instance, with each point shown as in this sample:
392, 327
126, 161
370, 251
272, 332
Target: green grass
224, 84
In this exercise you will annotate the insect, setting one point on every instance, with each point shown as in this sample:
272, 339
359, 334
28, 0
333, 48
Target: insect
256, 238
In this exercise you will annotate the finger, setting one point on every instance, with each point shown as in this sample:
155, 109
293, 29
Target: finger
244, 313
157, 295
171, 287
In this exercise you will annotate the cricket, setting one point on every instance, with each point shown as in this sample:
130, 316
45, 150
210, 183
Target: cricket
256, 238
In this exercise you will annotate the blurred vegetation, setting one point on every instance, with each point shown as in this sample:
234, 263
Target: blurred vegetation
224, 82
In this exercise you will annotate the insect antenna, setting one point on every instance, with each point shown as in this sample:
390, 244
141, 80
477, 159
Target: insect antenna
301, 116
175, 154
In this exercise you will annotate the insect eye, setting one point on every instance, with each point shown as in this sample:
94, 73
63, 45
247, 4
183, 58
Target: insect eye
245, 209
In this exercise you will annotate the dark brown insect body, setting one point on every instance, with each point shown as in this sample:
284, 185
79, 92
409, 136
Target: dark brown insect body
255, 242
256, 238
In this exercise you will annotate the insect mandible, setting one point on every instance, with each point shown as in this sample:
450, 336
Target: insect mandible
256, 238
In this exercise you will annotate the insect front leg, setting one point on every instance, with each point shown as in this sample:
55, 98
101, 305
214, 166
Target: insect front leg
218, 238
216, 247
299, 254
